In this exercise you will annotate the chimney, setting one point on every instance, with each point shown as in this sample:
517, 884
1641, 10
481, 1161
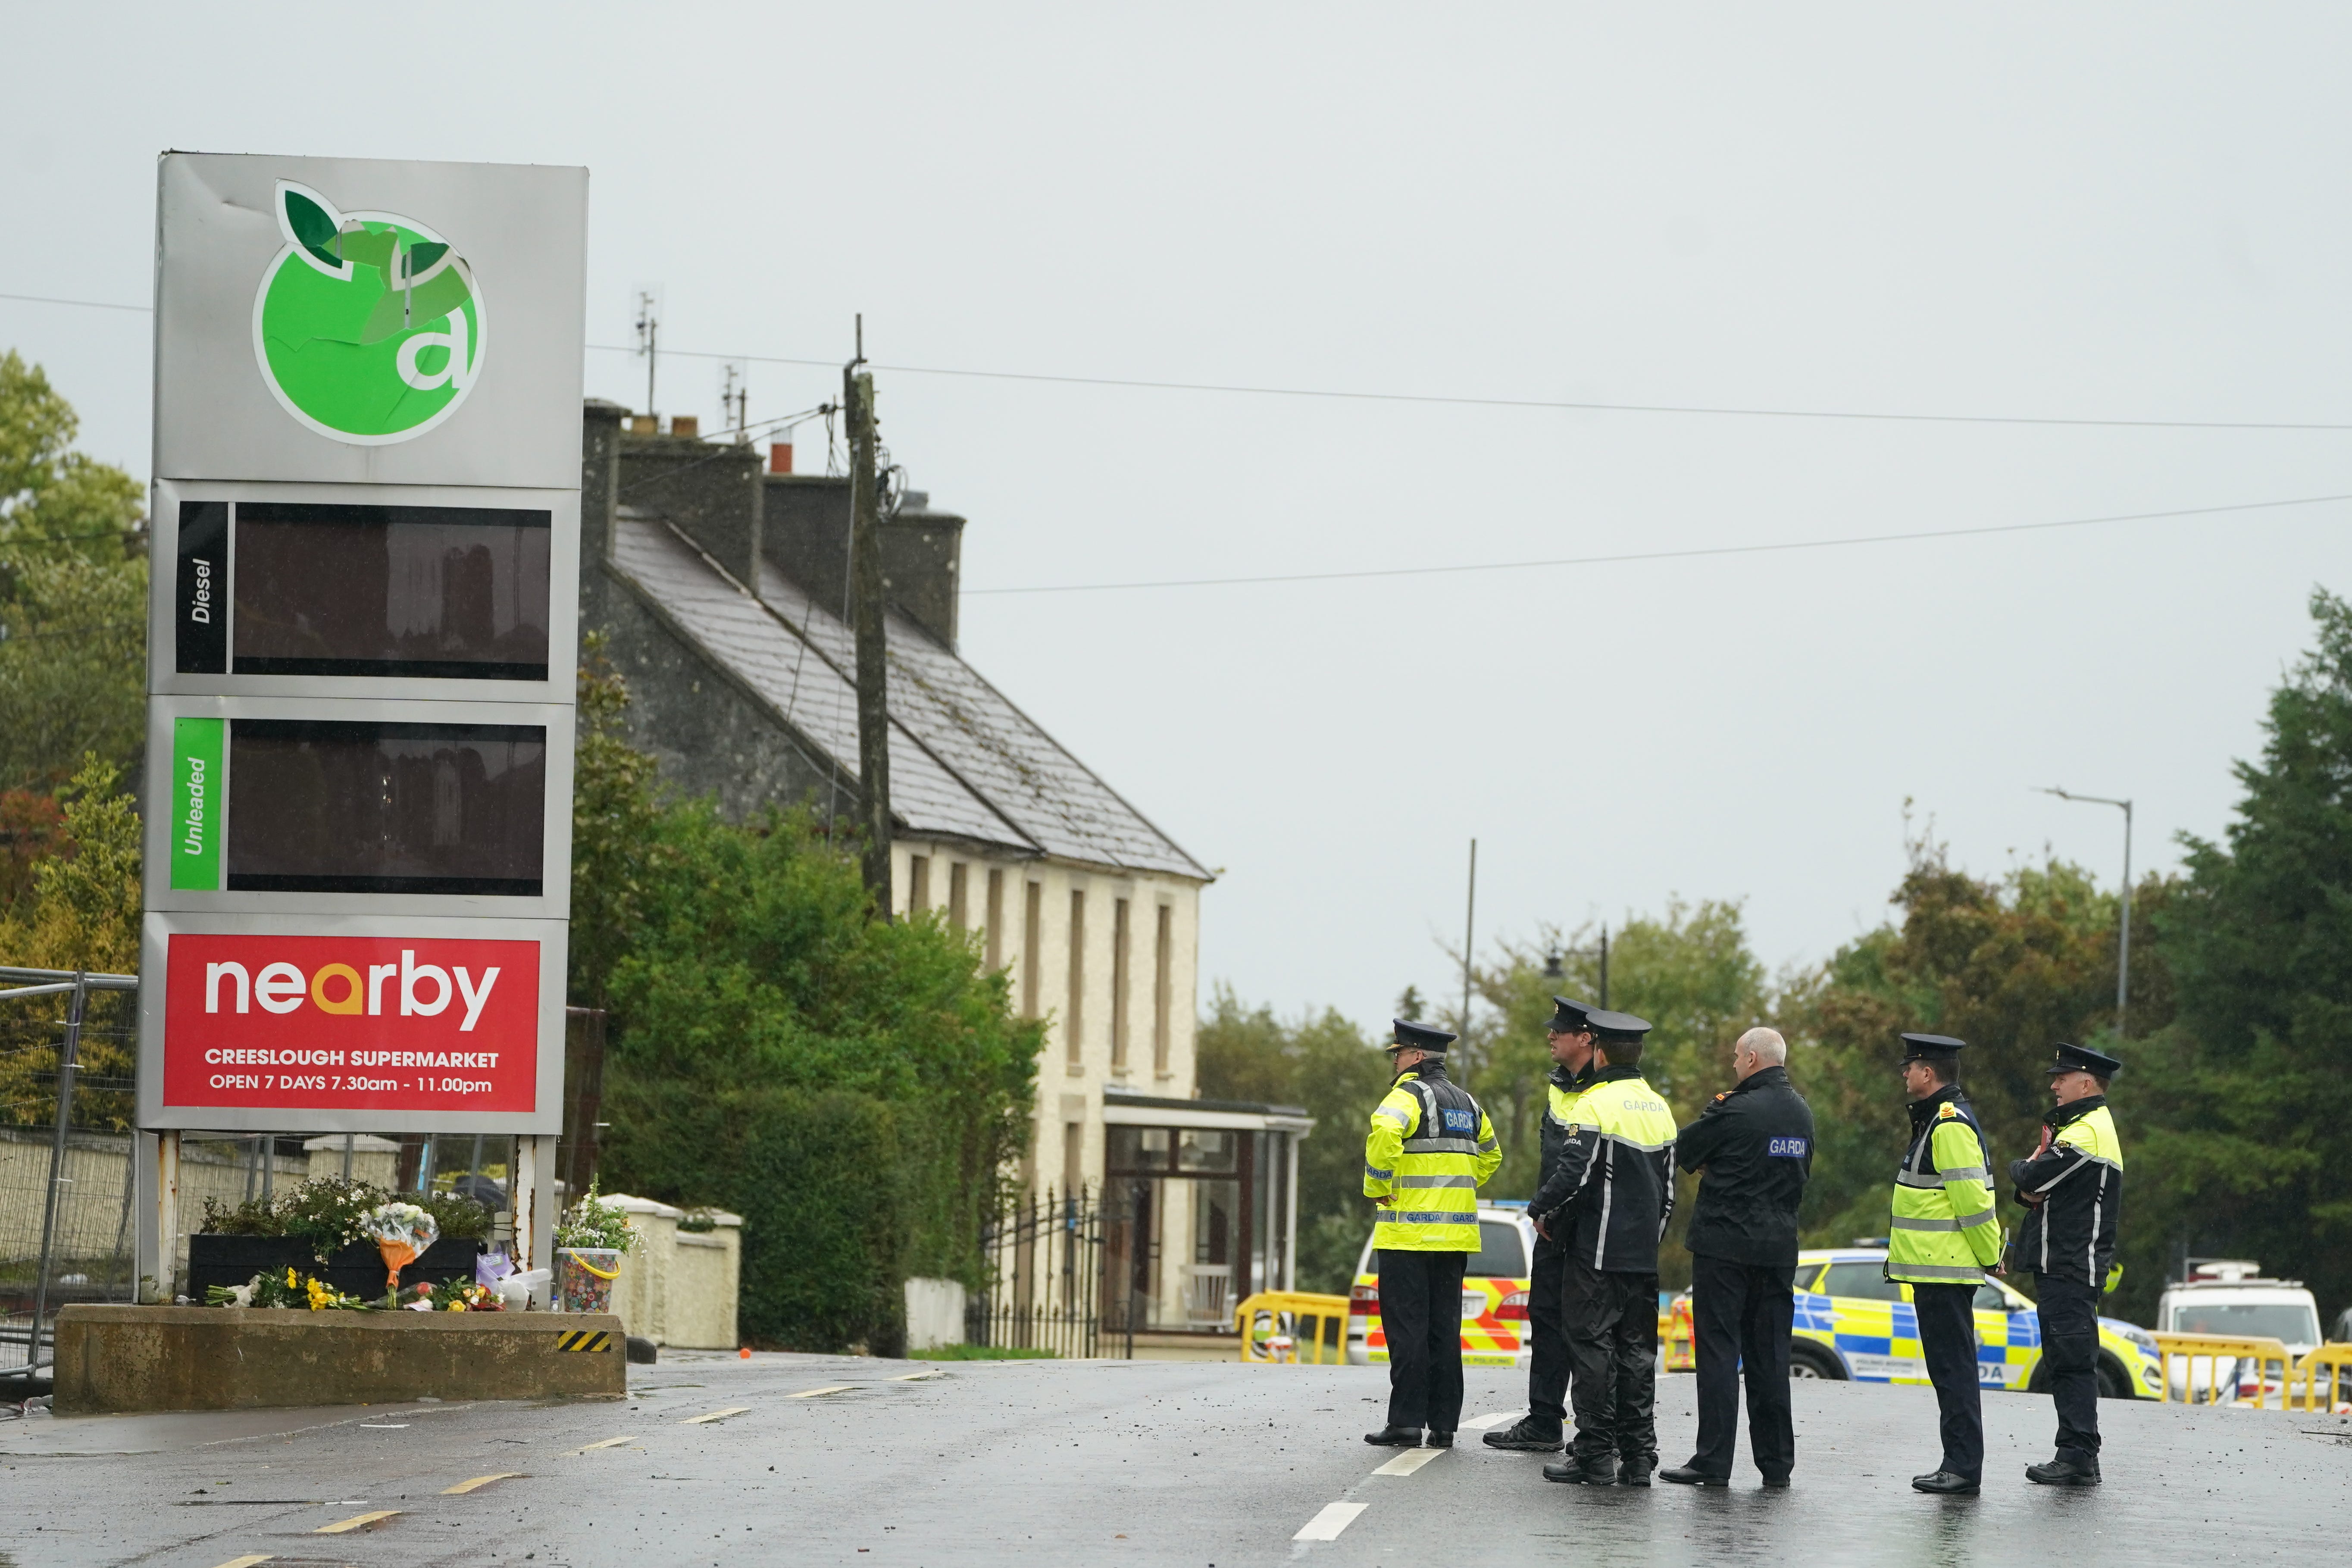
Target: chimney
780, 458
688, 425
645, 425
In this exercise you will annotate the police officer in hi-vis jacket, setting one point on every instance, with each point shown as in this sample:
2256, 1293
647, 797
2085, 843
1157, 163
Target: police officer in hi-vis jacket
1542, 1430
2072, 1189
1430, 1149
1607, 1201
1946, 1233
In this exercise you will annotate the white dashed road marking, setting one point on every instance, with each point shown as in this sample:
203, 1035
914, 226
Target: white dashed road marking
831, 1388
479, 1482
607, 1443
715, 1415
1412, 1459
1326, 1525
1488, 1423
253, 1560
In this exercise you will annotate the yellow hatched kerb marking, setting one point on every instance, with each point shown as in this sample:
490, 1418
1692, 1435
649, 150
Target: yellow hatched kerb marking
716, 1415
357, 1522
252, 1560
479, 1482
607, 1443
584, 1340
829, 1388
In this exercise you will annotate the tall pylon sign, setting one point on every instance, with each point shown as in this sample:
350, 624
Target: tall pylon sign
363, 633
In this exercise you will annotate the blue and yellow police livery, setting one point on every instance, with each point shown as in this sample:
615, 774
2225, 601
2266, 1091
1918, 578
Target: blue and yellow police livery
1852, 1322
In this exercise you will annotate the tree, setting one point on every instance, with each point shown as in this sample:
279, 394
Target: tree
73, 593
82, 912
1323, 1064
2243, 1123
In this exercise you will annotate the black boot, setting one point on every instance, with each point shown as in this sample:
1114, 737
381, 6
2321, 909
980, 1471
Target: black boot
1635, 1471
1533, 1434
1437, 1439
1599, 1470
2064, 1472
1394, 1437
1692, 1475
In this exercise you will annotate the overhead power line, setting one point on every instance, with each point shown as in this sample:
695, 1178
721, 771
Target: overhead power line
1669, 554
1538, 403
1433, 399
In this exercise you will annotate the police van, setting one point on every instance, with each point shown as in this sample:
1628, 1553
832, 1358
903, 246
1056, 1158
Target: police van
1853, 1323
1494, 1294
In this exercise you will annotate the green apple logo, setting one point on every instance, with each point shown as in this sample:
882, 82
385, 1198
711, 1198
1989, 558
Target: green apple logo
368, 328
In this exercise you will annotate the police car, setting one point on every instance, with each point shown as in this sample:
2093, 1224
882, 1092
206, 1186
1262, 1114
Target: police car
1852, 1322
1494, 1295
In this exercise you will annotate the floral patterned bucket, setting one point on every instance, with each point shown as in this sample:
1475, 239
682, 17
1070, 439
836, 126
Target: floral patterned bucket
583, 1278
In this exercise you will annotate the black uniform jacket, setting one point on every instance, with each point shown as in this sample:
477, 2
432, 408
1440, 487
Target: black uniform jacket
2071, 1233
1756, 1144
1609, 1201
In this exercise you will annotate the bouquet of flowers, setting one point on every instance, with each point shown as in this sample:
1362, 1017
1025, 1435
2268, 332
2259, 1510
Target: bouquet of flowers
401, 1232
453, 1297
292, 1289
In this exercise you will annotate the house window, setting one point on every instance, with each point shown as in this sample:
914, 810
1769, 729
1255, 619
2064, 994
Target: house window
1118, 985
995, 921
1073, 1156
1162, 958
1033, 920
1074, 1024
955, 895
919, 883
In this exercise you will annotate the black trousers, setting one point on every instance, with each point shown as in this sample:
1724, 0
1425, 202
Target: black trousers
2070, 1364
1743, 1314
1947, 1341
1421, 1314
1612, 1354
1546, 1336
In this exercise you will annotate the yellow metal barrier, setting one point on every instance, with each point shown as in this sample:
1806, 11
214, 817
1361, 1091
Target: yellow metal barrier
1286, 1335
2321, 1378
2222, 1354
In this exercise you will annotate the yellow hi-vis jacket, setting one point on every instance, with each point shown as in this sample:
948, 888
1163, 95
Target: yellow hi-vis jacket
1947, 1231
1430, 1149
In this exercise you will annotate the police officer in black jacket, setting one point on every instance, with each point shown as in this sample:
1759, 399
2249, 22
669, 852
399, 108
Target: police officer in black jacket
1542, 1430
1755, 1143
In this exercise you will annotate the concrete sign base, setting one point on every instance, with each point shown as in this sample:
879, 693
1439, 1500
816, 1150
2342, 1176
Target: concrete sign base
115, 1359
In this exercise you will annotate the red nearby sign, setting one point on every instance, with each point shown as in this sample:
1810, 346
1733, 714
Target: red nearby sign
351, 1022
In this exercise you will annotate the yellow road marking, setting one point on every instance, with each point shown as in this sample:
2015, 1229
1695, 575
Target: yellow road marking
914, 1376
831, 1388
479, 1482
607, 1443
354, 1522
715, 1415
249, 1561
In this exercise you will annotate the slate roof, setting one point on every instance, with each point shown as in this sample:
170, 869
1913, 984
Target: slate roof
965, 762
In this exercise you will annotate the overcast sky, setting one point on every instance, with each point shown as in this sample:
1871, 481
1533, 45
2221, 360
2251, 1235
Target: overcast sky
2130, 213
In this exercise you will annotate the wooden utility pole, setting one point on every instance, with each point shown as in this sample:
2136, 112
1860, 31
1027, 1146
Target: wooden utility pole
866, 594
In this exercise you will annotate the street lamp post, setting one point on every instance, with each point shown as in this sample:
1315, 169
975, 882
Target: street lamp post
1553, 970
2123, 959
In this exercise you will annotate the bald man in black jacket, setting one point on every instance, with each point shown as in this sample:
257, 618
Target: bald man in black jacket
1755, 1142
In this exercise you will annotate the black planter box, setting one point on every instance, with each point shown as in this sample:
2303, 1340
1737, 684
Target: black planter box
358, 1269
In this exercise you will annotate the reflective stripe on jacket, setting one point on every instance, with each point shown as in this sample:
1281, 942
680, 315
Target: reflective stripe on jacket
1430, 1149
1614, 1183
2079, 1173
1947, 1231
